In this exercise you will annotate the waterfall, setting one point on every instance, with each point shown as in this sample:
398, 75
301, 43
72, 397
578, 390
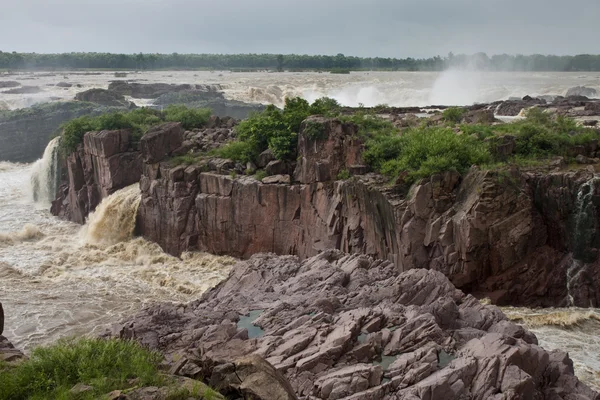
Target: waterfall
45, 174
113, 221
584, 231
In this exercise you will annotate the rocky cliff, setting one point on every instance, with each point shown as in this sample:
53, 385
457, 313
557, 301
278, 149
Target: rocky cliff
349, 327
515, 236
105, 162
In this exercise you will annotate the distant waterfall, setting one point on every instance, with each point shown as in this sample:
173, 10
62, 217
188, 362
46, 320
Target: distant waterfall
45, 174
584, 230
113, 221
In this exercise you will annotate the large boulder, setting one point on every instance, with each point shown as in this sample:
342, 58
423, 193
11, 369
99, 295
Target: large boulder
581, 91
9, 84
104, 97
326, 146
160, 141
149, 90
23, 90
513, 108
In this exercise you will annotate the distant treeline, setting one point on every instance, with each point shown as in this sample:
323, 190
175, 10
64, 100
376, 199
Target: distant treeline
504, 62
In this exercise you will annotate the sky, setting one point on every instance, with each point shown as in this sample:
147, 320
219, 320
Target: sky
386, 28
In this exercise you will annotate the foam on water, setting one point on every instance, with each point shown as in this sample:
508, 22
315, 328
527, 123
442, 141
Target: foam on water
574, 330
59, 279
453, 87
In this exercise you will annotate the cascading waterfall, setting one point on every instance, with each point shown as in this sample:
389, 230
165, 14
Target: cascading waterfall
113, 221
584, 231
45, 174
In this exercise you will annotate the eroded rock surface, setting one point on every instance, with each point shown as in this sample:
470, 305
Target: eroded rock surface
106, 162
342, 326
510, 235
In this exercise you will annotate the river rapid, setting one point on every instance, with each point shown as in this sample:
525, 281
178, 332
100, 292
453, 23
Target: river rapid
402, 89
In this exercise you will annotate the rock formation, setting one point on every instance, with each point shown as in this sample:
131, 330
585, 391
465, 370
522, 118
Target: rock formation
106, 162
154, 90
492, 232
342, 326
25, 133
581, 91
8, 353
104, 97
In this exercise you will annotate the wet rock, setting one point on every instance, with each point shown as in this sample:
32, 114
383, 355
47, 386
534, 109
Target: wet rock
23, 90
146, 90
1, 319
9, 84
381, 342
581, 91
104, 97
514, 107
8, 353
64, 84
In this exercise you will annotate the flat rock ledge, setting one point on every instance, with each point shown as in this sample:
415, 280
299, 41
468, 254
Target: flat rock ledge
340, 326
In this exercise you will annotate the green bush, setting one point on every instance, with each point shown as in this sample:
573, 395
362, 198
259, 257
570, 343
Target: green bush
105, 365
260, 175
239, 151
325, 106
190, 118
424, 151
74, 130
138, 120
185, 159
314, 130
453, 114
275, 129
343, 175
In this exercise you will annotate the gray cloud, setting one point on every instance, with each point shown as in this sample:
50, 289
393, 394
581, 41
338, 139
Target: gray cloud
393, 28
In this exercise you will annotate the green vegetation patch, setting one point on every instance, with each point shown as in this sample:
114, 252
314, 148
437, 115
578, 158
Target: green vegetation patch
139, 121
422, 151
275, 129
453, 114
104, 365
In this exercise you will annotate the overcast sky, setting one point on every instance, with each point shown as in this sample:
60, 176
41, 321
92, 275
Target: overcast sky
390, 28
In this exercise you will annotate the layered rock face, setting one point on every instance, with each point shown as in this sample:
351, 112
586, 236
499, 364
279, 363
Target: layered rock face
106, 162
509, 235
342, 326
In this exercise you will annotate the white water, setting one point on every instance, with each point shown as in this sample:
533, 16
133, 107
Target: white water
45, 174
452, 87
59, 279
574, 330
